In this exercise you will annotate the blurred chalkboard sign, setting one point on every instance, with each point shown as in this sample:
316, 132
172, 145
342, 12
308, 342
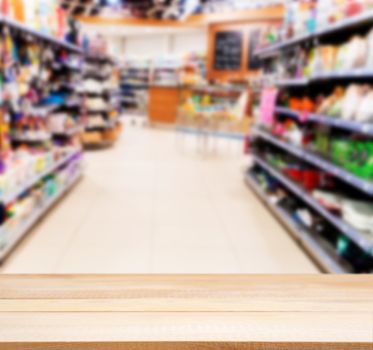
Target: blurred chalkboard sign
253, 60
228, 51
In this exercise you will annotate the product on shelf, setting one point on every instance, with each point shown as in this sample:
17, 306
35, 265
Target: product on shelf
44, 16
310, 226
304, 18
316, 138
37, 79
101, 100
35, 200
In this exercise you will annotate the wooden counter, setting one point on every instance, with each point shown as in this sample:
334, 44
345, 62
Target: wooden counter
186, 312
163, 104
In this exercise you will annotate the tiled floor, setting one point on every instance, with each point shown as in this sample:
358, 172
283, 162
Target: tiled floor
157, 204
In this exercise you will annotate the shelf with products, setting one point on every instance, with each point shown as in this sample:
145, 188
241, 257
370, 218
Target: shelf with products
316, 115
99, 93
364, 185
49, 39
136, 72
317, 247
334, 59
354, 74
23, 170
68, 132
350, 23
39, 76
35, 87
362, 239
362, 128
165, 71
20, 216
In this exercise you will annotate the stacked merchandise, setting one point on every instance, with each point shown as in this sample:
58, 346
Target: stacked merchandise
41, 16
165, 71
134, 85
312, 145
40, 156
101, 97
193, 70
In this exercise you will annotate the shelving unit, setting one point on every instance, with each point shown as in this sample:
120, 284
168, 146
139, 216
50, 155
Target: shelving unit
325, 255
39, 35
38, 170
107, 131
358, 73
135, 82
349, 125
318, 250
361, 184
360, 20
10, 238
7, 199
364, 240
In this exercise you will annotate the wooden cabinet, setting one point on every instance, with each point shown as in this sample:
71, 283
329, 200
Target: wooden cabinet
163, 104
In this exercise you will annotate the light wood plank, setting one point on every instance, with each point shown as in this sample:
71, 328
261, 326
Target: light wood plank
186, 312
187, 293
218, 326
185, 346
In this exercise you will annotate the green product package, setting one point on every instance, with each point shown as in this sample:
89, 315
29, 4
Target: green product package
341, 151
365, 165
322, 143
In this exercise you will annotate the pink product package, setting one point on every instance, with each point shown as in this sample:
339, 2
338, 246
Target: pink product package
267, 105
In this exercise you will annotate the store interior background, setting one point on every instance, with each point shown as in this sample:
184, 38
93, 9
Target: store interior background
164, 187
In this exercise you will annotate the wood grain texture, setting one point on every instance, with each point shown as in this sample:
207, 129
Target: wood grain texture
163, 104
186, 312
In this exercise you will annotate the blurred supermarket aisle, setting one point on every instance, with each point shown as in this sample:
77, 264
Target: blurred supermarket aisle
156, 204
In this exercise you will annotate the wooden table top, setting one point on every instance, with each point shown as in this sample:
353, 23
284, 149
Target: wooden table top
186, 312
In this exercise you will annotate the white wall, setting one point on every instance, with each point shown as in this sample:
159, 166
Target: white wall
189, 42
150, 41
148, 45
156, 45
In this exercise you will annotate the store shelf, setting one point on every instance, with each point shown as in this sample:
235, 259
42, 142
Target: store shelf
28, 139
135, 86
359, 20
69, 132
96, 76
45, 37
12, 237
362, 239
349, 74
358, 73
66, 66
108, 125
350, 125
292, 82
275, 48
319, 250
97, 111
43, 110
28, 184
89, 57
360, 184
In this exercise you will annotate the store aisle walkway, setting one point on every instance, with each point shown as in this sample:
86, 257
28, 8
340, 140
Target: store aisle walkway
155, 204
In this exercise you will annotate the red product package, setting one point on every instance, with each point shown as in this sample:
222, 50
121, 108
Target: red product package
294, 173
311, 179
